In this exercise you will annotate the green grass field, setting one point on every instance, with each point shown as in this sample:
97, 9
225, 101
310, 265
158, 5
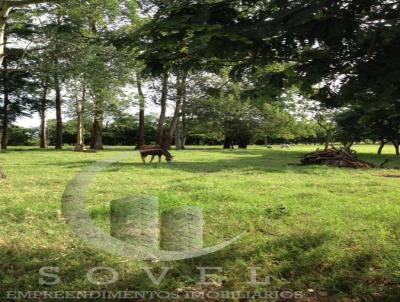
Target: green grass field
314, 229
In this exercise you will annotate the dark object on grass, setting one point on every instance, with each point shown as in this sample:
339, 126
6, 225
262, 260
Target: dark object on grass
276, 212
2, 175
153, 152
336, 157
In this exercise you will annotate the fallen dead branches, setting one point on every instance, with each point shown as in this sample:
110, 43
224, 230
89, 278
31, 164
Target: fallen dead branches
337, 158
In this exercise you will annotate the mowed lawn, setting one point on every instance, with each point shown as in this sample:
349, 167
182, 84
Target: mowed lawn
321, 230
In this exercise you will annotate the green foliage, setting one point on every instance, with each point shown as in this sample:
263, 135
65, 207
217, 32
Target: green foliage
19, 136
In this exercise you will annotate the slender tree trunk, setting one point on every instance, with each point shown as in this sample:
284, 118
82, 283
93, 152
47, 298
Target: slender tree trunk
59, 121
4, 11
178, 142
181, 87
43, 124
163, 104
80, 109
141, 136
183, 134
97, 130
5, 121
43, 130
5, 8
382, 145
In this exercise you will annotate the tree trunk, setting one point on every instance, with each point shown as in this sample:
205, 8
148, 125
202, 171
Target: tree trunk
328, 139
180, 92
3, 21
97, 130
5, 8
396, 145
80, 109
382, 145
228, 142
163, 104
59, 121
183, 134
43, 125
140, 136
347, 146
43, 130
178, 142
5, 121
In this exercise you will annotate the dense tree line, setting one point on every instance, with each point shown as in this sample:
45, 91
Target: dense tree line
232, 72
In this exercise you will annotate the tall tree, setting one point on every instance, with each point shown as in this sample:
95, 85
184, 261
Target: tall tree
5, 8
141, 136
180, 94
163, 108
43, 106
6, 105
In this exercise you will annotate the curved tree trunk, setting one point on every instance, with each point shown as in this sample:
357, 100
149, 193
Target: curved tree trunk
180, 92
5, 7
396, 145
140, 136
163, 104
4, 11
381, 146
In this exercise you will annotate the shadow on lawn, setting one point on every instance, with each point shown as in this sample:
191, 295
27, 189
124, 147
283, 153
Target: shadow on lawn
262, 160
268, 161
263, 163
295, 262
247, 161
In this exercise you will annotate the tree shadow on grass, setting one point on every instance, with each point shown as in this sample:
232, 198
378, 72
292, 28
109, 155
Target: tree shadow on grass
264, 163
246, 161
300, 262
295, 262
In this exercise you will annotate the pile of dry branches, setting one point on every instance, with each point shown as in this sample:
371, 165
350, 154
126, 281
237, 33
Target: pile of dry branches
337, 158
